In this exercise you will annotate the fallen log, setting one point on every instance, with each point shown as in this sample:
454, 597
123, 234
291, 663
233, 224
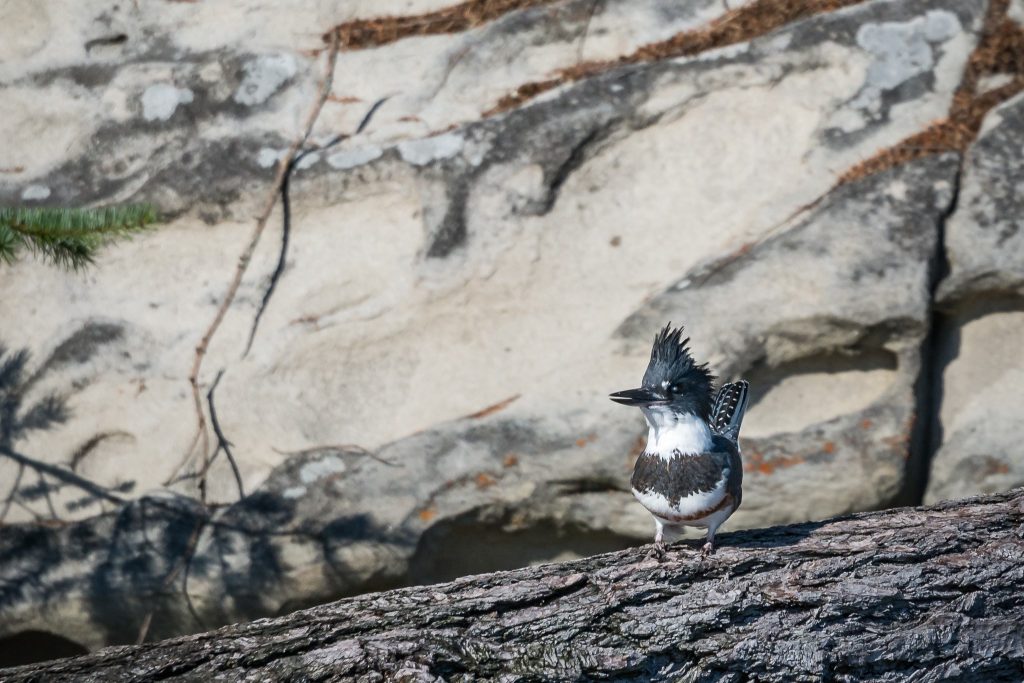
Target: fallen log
924, 594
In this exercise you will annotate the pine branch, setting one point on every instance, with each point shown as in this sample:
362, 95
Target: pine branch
68, 238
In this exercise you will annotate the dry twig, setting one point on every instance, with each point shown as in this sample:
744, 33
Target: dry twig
202, 437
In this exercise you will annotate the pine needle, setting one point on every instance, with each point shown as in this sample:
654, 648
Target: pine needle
68, 238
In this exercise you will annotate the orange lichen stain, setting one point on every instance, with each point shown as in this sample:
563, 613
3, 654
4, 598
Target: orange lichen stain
584, 440
511, 460
829, 447
427, 514
995, 466
756, 462
866, 423
483, 480
491, 409
344, 99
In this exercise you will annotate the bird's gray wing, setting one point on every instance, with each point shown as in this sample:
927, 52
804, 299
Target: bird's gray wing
729, 452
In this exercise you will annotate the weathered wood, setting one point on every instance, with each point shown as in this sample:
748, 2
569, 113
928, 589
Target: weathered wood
920, 594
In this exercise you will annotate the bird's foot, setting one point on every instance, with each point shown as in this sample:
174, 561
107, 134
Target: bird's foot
658, 551
707, 550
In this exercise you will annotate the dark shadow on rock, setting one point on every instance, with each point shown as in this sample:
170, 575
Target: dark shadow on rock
476, 544
939, 349
150, 537
763, 378
36, 646
770, 537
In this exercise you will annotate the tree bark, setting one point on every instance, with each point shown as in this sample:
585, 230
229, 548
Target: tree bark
924, 594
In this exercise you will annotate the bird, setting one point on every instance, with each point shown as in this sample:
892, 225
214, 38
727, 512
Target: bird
690, 473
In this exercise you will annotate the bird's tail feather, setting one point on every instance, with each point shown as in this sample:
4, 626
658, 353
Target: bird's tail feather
727, 413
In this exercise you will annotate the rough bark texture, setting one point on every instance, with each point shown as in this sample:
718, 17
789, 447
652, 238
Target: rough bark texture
918, 594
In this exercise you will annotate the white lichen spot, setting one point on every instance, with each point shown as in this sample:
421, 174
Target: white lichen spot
318, 469
264, 76
350, 158
900, 51
848, 120
294, 492
422, 152
475, 150
307, 161
211, 72
897, 190
268, 156
780, 42
160, 101
35, 192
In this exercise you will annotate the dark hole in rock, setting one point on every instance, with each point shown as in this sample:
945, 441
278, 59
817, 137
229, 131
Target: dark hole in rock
36, 646
763, 378
468, 546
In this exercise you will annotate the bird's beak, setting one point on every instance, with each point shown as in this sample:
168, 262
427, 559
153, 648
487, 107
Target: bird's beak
639, 397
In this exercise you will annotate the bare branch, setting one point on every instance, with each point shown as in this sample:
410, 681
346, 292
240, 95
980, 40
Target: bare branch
246, 257
222, 442
286, 213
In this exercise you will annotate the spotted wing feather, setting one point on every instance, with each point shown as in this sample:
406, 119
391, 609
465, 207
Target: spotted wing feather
728, 410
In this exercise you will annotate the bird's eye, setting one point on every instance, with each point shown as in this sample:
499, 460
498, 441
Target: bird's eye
677, 388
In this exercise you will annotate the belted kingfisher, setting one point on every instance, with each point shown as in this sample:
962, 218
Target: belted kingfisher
690, 473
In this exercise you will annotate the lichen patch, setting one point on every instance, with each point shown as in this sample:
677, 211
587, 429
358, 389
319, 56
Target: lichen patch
1000, 56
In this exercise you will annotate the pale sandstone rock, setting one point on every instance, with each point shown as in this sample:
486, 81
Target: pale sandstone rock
981, 428
985, 237
980, 432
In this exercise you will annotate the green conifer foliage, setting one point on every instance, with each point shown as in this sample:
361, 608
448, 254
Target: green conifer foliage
68, 238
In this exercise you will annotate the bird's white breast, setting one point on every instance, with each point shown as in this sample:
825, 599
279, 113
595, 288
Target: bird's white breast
672, 433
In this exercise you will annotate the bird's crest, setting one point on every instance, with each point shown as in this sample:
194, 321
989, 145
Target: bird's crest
671, 362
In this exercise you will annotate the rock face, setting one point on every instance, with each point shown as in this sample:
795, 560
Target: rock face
985, 237
465, 282
981, 431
